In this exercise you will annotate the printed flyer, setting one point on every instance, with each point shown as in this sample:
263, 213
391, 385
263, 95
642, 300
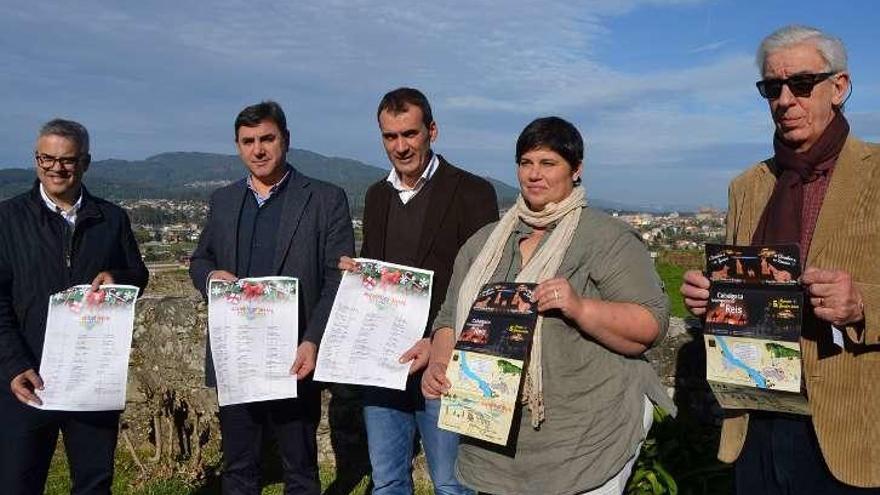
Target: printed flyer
380, 312
88, 343
753, 325
488, 363
253, 326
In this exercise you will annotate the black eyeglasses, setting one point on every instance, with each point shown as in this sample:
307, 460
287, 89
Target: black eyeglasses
800, 85
48, 161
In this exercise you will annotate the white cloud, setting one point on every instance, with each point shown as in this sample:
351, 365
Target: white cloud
170, 75
710, 47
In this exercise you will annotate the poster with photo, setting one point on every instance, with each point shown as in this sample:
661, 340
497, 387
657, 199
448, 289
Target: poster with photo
769, 313
769, 265
487, 366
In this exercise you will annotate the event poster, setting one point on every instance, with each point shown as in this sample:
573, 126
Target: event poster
763, 265
87, 346
488, 363
253, 331
380, 312
753, 325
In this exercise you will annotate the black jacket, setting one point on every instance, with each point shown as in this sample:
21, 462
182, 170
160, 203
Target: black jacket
39, 256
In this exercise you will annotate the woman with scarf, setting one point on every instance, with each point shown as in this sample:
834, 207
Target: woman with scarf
586, 403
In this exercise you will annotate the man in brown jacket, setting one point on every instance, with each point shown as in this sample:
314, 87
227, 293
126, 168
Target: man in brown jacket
820, 190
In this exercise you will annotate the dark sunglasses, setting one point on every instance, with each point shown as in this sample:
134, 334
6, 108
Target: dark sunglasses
800, 85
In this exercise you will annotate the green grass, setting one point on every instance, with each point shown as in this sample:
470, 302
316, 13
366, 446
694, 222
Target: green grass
671, 276
125, 481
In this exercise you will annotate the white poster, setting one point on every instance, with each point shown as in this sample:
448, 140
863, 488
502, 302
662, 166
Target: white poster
253, 324
380, 312
86, 350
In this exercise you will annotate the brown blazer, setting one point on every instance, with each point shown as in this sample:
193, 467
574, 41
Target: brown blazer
843, 385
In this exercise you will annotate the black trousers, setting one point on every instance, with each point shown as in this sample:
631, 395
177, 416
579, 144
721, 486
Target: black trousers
294, 422
27, 441
781, 456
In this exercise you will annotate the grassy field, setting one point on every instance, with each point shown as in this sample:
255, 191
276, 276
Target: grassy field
126, 481
671, 276
671, 266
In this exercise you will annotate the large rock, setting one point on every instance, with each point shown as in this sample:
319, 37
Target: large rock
170, 422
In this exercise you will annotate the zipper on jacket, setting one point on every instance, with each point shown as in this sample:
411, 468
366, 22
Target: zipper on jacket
68, 246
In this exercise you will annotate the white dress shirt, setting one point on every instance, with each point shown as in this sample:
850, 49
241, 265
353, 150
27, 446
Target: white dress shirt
70, 215
405, 193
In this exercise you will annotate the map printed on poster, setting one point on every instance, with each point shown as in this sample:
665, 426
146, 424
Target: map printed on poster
88, 342
486, 369
253, 330
753, 323
380, 312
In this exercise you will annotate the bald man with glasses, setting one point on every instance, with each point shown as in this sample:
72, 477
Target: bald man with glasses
55, 236
820, 190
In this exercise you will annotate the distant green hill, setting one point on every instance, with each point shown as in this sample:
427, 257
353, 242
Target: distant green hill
192, 175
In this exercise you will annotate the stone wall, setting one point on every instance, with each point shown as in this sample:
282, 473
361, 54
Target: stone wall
170, 424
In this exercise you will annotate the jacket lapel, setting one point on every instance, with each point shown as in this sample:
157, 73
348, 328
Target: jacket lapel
89, 211
753, 200
295, 200
228, 213
840, 198
441, 197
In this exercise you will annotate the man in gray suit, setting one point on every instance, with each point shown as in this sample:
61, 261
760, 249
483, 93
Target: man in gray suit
276, 221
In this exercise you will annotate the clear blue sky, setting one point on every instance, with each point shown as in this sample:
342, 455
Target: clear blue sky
662, 90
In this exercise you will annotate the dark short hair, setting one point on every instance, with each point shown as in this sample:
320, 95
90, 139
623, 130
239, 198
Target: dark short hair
70, 130
555, 134
265, 110
395, 102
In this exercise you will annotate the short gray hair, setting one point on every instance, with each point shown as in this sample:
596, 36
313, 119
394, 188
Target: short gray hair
830, 47
67, 129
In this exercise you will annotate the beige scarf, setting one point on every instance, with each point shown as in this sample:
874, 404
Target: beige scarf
542, 266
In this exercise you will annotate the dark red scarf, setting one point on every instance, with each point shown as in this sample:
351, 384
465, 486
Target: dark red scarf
781, 221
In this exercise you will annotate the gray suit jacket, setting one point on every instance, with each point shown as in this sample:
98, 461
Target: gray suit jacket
314, 232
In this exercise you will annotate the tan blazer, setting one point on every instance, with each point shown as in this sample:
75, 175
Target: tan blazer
843, 385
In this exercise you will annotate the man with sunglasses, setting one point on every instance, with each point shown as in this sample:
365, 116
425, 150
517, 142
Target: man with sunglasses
820, 190
55, 236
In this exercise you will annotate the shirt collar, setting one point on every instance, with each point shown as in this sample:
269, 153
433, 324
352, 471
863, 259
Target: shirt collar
272, 190
54, 207
397, 184
523, 229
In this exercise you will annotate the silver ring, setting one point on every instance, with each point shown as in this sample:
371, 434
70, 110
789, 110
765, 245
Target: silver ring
556, 294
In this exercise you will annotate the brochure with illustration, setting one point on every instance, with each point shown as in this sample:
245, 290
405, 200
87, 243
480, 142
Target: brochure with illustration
753, 323
488, 363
